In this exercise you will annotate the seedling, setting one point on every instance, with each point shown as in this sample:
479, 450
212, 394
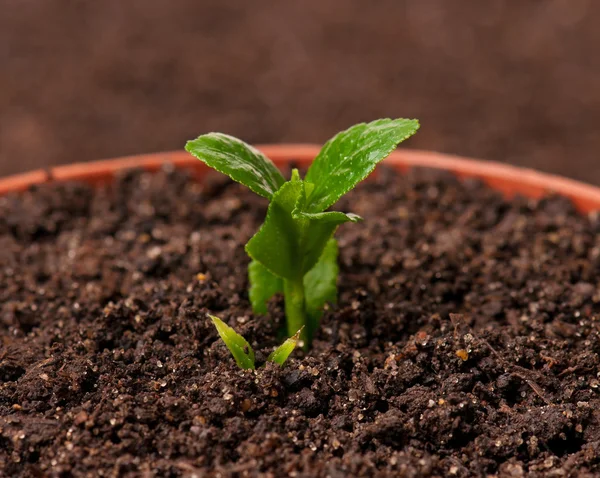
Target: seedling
294, 251
243, 353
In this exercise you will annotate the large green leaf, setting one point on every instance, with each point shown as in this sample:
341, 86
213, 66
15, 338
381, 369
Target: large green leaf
237, 345
281, 353
276, 245
320, 285
350, 156
238, 160
263, 286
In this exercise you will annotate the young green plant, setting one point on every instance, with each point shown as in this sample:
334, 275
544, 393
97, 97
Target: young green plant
294, 251
242, 351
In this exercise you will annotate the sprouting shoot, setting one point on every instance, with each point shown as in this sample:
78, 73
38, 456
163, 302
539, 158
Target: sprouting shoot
294, 251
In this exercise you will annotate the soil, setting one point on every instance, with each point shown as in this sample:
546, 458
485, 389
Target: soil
465, 341
510, 81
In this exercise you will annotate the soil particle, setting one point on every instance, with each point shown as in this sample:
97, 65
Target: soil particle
465, 341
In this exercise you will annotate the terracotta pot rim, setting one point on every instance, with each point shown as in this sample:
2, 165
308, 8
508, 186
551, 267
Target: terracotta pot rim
508, 179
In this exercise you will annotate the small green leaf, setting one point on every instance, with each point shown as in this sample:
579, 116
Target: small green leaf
320, 286
308, 188
238, 160
237, 345
328, 217
317, 230
281, 353
277, 243
263, 286
350, 156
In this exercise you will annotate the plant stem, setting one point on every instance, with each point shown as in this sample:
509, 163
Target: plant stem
295, 307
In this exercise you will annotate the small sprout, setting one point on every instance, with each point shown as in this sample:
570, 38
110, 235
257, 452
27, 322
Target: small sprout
237, 345
242, 351
281, 353
294, 252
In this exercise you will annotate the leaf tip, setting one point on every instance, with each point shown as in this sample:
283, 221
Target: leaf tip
296, 336
216, 321
416, 123
188, 145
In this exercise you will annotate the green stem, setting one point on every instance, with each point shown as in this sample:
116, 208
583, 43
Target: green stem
295, 307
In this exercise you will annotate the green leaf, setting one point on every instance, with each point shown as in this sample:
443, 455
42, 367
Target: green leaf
277, 243
317, 231
308, 188
281, 353
320, 286
237, 345
328, 217
238, 160
263, 286
350, 156
290, 241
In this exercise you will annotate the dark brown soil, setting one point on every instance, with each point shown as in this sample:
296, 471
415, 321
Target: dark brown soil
465, 341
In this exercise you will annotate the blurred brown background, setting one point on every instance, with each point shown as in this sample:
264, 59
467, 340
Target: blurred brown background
514, 81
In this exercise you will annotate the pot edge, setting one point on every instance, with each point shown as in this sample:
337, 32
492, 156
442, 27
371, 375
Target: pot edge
509, 180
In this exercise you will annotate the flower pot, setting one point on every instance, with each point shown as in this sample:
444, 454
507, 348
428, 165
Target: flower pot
510, 180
